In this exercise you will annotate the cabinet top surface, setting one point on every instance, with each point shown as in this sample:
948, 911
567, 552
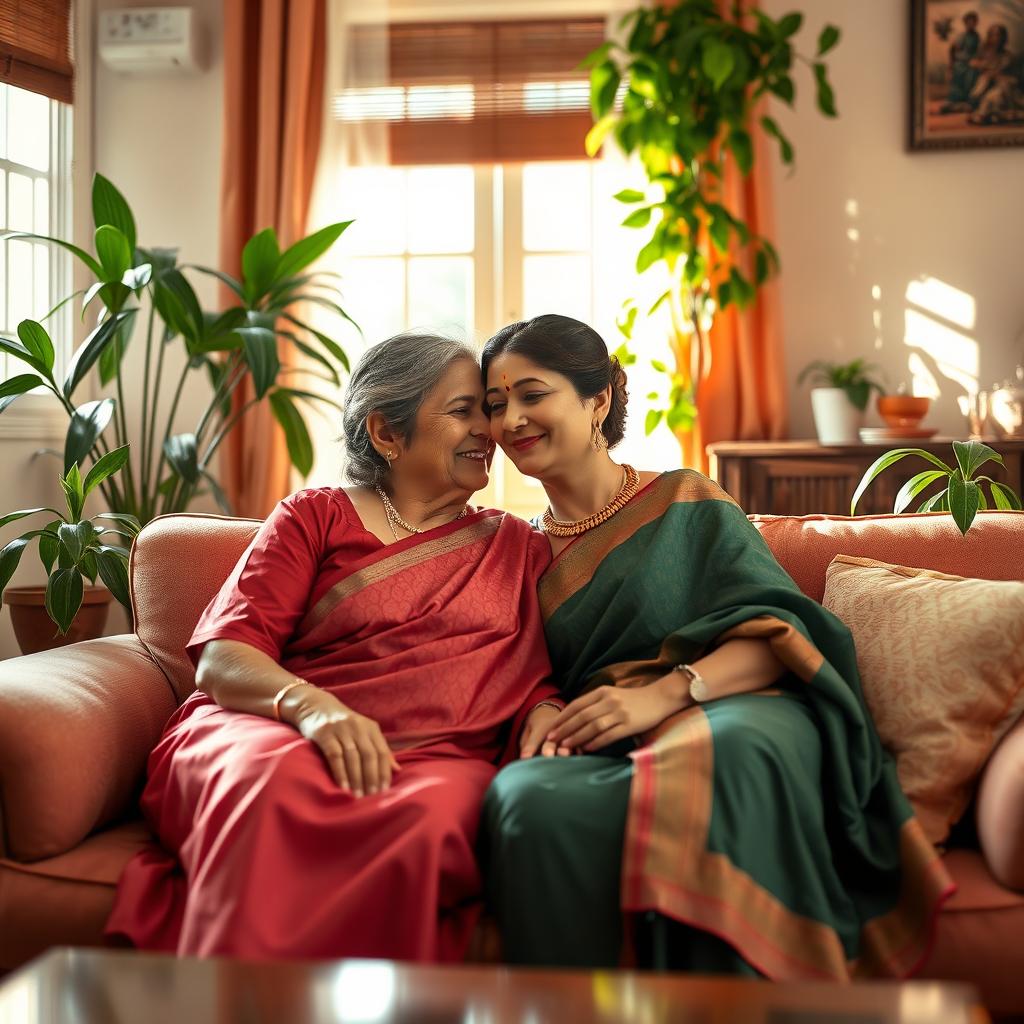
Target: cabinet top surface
810, 446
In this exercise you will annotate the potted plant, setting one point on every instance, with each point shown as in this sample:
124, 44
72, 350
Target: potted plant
840, 398
135, 284
960, 492
72, 550
694, 80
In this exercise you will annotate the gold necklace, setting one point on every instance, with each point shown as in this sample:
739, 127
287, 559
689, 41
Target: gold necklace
394, 519
559, 528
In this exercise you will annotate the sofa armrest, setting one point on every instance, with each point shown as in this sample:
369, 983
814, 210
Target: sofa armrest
1000, 811
76, 726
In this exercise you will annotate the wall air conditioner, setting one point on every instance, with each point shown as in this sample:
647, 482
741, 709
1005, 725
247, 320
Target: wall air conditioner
150, 40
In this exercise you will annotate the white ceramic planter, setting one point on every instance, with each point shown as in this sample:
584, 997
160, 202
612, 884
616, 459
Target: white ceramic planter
836, 419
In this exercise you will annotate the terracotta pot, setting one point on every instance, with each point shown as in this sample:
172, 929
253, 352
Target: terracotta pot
902, 410
36, 631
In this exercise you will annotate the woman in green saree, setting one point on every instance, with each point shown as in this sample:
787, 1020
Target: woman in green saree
732, 809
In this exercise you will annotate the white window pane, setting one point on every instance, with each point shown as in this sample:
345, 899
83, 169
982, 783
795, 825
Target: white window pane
19, 281
441, 209
4, 322
19, 206
556, 206
373, 294
374, 197
440, 101
441, 294
42, 301
42, 213
3, 199
28, 129
557, 284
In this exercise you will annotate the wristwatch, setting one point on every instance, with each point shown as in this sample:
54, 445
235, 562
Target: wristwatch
698, 687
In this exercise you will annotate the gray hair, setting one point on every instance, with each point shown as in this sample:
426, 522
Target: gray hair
392, 378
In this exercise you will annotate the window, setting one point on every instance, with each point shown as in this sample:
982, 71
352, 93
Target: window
35, 176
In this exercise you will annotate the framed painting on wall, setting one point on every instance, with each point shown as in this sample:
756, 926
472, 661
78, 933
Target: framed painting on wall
966, 73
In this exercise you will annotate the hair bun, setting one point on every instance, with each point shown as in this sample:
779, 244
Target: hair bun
614, 425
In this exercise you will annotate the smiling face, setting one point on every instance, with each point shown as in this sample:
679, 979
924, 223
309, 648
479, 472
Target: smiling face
450, 446
537, 417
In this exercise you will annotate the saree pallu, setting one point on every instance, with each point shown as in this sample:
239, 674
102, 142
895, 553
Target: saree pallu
772, 820
439, 639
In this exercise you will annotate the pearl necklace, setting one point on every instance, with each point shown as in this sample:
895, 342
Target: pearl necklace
559, 528
394, 519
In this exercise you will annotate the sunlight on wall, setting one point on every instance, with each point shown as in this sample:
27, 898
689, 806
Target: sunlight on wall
941, 352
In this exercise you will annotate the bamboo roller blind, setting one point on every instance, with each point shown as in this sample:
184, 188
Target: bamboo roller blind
34, 46
474, 92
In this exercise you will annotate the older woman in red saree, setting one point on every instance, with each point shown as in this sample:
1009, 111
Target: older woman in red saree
361, 673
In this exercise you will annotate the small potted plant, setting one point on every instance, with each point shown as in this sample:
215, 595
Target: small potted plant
839, 398
961, 492
72, 550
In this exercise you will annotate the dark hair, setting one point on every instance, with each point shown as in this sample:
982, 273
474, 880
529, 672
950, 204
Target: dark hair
392, 378
573, 349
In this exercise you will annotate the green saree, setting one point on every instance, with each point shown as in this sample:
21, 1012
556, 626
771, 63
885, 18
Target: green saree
768, 825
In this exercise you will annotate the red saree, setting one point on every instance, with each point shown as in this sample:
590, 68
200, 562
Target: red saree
438, 638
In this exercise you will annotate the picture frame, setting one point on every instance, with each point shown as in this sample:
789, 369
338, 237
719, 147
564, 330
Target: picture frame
966, 73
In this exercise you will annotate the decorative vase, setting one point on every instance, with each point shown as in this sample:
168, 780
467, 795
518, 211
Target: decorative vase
36, 631
836, 419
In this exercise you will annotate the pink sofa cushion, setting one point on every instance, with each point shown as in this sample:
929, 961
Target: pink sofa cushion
805, 545
178, 564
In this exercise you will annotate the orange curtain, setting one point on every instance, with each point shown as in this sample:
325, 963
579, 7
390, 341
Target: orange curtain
274, 57
743, 395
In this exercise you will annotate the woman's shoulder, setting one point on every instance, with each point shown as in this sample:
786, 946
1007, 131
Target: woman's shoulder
685, 485
323, 505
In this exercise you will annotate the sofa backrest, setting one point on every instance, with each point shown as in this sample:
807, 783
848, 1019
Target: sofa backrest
178, 564
992, 549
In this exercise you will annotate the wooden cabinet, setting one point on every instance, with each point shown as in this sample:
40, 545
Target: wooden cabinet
803, 477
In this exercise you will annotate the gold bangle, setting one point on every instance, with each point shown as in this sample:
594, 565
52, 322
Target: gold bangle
547, 704
284, 689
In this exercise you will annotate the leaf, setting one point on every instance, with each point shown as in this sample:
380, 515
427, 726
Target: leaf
81, 254
92, 348
259, 262
88, 566
300, 445
785, 147
884, 462
10, 556
649, 254
113, 354
937, 502
106, 466
48, 545
75, 538
604, 83
629, 195
1004, 496
783, 88
963, 501
123, 518
14, 387
110, 207
136, 278
625, 325
638, 218
743, 149
914, 486
64, 591
177, 304
313, 354
218, 494
181, 453
260, 347
328, 343
113, 570
598, 133
654, 417
112, 249
663, 297
19, 351
972, 455
790, 25
717, 61
35, 339
87, 423
826, 100
308, 249
828, 39
227, 279
71, 483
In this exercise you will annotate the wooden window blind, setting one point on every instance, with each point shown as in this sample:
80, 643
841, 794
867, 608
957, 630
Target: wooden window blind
474, 92
35, 52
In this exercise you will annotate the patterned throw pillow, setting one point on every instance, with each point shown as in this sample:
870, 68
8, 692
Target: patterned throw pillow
941, 660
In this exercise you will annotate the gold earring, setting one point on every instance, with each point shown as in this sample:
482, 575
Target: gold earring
597, 438
389, 455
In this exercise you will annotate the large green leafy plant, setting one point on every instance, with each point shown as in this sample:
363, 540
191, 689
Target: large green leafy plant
691, 79
73, 549
172, 466
960, 493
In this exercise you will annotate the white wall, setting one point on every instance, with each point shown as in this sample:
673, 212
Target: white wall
861, 213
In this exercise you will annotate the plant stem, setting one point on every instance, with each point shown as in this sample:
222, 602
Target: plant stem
224, 431
122, 416
144, 413
167, 432
151, 494
232, 374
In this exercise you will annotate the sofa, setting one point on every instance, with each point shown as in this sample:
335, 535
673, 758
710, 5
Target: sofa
77, 724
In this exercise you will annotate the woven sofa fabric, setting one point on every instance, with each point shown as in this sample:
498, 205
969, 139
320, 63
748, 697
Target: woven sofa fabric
804, 545
1000, 813
76, 727
178, 564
